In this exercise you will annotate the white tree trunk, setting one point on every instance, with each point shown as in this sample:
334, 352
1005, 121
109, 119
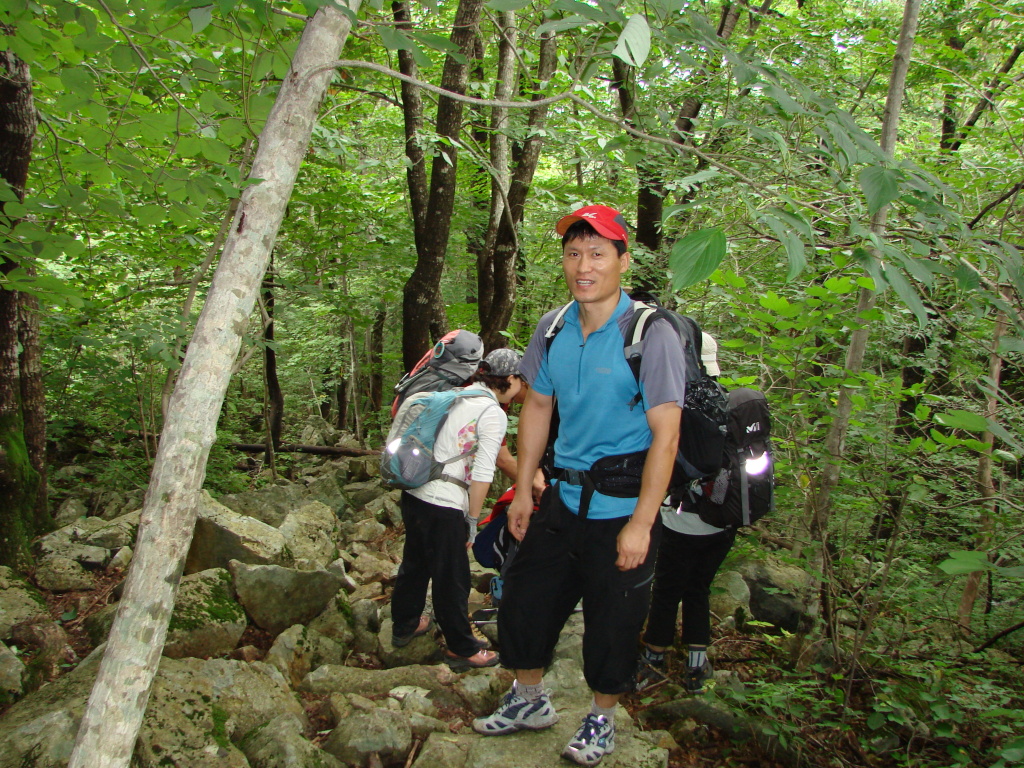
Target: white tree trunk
116, 707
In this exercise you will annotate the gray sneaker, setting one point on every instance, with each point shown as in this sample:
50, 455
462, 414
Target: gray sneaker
695, 677
517, 714
594, 739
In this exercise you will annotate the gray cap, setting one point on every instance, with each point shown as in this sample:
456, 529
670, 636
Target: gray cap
503, 362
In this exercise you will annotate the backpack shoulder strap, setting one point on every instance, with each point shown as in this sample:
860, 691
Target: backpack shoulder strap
555, 326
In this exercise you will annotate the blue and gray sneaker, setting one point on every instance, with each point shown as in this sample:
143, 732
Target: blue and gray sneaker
517, 714
594, 739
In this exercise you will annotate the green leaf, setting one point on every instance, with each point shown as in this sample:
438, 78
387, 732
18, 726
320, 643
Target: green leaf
972, 422
880, 185
201, 18
507, 5
906, 291
965, 562
696, 256
634, 44
394, 40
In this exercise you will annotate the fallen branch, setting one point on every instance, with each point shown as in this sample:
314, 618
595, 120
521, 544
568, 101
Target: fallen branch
319, 450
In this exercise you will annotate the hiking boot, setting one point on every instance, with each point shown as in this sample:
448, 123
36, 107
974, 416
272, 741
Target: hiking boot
694, 678
594, 739
517, 714
650, 674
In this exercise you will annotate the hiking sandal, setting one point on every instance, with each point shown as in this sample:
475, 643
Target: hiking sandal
479, 660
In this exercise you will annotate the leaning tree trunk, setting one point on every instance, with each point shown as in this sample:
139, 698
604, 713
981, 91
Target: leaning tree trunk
274, 397
820, 501
423, 316
19, 481
118, 701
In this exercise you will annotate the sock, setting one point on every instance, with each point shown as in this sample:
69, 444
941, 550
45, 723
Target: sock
655, 658
530, 692
698, 656
607, 712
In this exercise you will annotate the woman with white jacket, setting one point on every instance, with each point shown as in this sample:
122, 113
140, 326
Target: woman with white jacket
440, 517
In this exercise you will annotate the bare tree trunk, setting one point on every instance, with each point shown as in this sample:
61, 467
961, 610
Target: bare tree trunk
986, 485
19, 481
495, 314
275, 398
376, 360
820, 501
33, 403
423, 315
118, 701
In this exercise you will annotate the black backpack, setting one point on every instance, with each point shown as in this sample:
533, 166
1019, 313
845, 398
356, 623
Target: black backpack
702, 422
743, 490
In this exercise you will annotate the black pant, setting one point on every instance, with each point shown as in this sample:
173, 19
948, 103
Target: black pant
435, 549
561, 560
686, 567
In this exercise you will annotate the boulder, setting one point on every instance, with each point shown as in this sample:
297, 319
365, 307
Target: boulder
57, 542
311, 533
361, 468
366, 530
385, 509
116, 533
97, 625
438, 680
421, 650
19, 601
269, 505
69, 511
335, 622
11, 671
62, 574
121, 559
276, 597
326, 490
108, 505
361, 494
777, 591
207, 619
366, 568
299, 650
381, 731
280, 744
222, 535
729, 595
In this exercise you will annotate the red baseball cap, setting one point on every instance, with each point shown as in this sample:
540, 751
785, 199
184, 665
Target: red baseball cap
607, 221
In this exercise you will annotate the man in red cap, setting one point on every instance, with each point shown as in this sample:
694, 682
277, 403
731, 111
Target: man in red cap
593, 538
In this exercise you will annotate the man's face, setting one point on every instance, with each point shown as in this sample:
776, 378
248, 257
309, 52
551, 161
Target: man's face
593, 269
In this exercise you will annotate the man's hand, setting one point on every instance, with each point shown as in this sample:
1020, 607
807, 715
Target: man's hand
539, 484
633, 542
519, 512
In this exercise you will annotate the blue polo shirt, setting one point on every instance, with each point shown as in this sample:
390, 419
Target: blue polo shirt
594, 387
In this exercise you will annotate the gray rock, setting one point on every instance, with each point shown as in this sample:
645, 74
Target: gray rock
70, 510
437, 679
108, 505
120, 532
362, 468
91, 558
335, 622
276, 597
382, 731
421, 650
121, 559
366, 530
482, 689
98, 624
368, 568
222, 535
207, 620
361, 494
730, 594
62, 574
56, 542
46, 741
11, 671
269, 505
326, 490
777, 591
280, 744
424, 725
299, 650
385, 509
19, 601
311, 533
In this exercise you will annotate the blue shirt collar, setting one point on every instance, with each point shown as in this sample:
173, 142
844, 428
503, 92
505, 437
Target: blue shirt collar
573, 315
